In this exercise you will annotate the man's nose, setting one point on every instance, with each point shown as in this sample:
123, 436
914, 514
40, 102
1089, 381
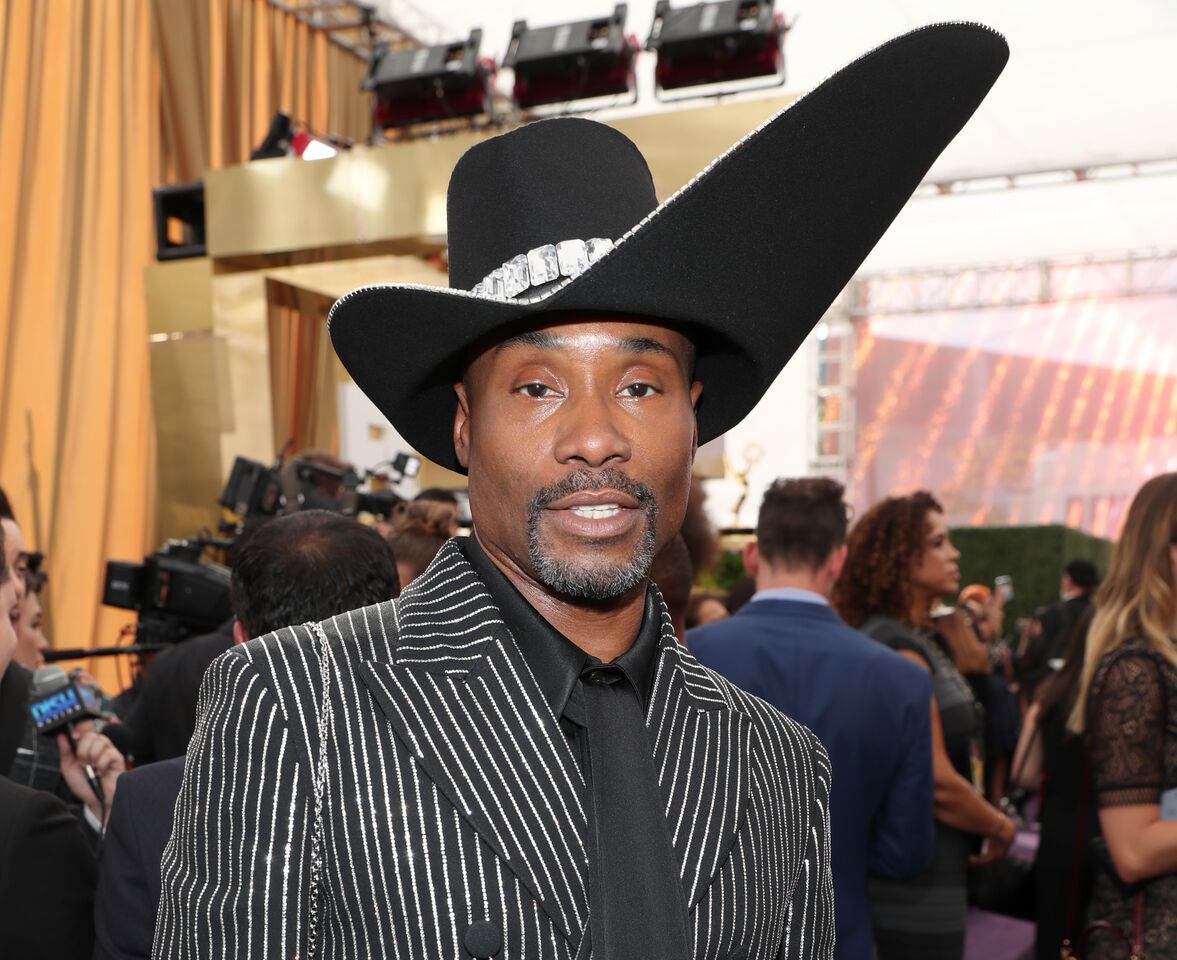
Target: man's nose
592, 432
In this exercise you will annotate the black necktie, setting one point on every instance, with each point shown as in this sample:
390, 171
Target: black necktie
636, 902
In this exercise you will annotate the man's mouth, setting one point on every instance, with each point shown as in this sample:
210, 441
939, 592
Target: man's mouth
607, 512
595, 503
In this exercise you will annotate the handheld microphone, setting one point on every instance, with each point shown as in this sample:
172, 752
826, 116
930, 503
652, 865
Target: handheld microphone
56, 703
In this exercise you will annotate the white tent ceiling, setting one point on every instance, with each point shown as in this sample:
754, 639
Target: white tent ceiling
1088, 83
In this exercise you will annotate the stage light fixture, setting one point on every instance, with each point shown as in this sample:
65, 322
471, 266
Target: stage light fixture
277, 140
307, 146
430, 83
284, 139
571, 61
179, 221
716, 43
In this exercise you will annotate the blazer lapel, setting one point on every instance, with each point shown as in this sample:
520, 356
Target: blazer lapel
701, 750
461, 698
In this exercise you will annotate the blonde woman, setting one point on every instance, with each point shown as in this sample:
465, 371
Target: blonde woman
1127, 705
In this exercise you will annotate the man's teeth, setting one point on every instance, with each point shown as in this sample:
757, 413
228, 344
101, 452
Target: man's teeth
598, 511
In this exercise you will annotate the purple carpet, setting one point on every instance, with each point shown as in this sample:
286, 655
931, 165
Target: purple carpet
994, 937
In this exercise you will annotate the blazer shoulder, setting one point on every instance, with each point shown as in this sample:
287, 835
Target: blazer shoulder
294, 653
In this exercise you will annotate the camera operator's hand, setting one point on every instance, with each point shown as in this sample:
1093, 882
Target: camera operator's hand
95, 749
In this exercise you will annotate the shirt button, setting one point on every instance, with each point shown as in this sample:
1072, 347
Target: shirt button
482, 939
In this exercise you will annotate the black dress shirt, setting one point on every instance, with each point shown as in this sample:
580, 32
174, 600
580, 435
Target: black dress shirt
637, 907
557, 662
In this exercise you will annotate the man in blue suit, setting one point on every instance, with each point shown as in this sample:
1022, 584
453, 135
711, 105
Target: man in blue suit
868, 705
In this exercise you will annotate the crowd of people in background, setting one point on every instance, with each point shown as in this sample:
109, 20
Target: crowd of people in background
951, 741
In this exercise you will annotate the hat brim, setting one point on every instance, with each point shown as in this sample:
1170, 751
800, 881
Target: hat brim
746, 258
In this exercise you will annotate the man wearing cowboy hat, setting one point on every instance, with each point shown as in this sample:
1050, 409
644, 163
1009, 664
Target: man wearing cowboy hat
516, 759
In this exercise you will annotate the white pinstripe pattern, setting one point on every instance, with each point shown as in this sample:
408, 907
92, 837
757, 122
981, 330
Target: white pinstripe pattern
451, 796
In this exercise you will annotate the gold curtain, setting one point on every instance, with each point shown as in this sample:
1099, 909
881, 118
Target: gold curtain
79, 126
229, 65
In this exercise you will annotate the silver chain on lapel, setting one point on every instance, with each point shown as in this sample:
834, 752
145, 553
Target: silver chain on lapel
318, 780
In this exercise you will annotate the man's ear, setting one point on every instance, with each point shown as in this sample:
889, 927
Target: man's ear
837, 562
696, 393
462, 426
752, 558
239, 634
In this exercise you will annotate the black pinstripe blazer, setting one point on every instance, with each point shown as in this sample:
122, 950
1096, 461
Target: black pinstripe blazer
450, 797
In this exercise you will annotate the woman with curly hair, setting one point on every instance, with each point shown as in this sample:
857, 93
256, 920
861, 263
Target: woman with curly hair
1127, 704
900, 562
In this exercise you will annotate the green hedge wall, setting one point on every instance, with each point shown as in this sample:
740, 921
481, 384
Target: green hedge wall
1033, 556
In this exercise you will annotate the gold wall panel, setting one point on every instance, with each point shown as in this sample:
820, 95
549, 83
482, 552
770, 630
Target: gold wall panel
363, 195
190, 408
240, 321
178, 296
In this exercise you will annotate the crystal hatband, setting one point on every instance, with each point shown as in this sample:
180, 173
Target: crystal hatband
540, 265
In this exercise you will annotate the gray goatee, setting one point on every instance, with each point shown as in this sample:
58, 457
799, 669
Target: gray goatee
584, 575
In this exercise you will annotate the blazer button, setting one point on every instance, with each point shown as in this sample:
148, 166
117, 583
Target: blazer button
482, 940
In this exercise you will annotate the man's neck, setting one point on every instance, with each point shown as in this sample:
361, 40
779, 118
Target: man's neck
811, 580
604, 629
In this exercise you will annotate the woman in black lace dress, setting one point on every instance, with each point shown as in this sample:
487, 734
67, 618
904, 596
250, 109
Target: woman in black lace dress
1128, 705
900, 562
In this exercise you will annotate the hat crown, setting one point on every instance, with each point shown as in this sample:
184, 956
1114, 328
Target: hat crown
552, 180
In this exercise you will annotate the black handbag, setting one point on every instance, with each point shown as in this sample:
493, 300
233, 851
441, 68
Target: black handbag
1008, 886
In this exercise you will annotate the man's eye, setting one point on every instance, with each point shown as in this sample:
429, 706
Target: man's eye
639, 390
537, 390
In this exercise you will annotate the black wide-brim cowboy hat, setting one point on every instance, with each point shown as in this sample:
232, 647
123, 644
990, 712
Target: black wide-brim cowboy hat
745, 259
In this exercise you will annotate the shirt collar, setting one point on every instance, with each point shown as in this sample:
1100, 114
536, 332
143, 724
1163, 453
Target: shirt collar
791, 593
556, 661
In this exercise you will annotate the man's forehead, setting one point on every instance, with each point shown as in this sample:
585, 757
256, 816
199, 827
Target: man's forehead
578, 338
624, 333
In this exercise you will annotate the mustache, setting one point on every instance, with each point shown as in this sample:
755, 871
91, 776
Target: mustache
585, 479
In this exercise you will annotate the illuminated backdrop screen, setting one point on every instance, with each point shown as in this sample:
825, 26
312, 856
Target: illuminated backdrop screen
1052, 406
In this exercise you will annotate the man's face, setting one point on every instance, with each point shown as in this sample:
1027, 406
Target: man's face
14, 555
578, 438
9, 614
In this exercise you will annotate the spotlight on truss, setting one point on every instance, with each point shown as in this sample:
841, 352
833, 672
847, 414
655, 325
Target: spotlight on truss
571, 61
430, 83
717, 43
